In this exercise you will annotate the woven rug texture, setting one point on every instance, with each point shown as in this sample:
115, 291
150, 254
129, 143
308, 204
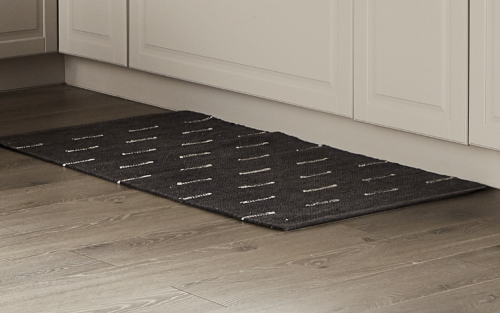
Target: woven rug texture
266, 178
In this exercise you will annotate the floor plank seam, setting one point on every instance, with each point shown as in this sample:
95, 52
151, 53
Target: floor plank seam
101, 261
199, 297
15, 231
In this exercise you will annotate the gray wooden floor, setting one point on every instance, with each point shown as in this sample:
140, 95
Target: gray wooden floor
74, 243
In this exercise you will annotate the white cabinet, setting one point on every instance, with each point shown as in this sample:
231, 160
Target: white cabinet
95, 29
411, 66
293, 51
27, 27
485, 73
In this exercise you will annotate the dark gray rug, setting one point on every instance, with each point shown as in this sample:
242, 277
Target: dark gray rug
266, 178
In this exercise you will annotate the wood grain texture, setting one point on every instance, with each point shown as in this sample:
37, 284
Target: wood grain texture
76, 243
340, 265
15, 275
377, 291
113, 296
480, 298
218, 244
42, 174
13, 160
487, 257
28, 197
427, 216
104, 229
66, 111
4, 231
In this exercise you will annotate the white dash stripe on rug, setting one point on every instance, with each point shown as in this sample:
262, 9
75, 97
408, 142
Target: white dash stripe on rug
29, 146
78, 162
193, 181
142, 129
373, 163
258, 215
194, 155
82, 149
252, 134
196, 167
196, 143
256, 171
139, 152
198, 196
142, 139
254, 158
134, 178
88, 137
198, 121
320, 188
257, 185
312, 161
310, 148
136, 165
322, 202
379, 177
197, 131
257, 200
314, 175
439, 180
252, 146
381, 191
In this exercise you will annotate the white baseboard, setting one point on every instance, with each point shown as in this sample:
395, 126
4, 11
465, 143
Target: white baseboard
467, 162
31, 71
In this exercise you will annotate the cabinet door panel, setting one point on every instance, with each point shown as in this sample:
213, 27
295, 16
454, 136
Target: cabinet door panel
411, 65
19, 15
485, 74
21, 27
297, 51
95, 29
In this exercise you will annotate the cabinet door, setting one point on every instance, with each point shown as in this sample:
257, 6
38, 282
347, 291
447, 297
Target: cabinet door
485, 73
27, 27
411, 66
294, 51
95, 29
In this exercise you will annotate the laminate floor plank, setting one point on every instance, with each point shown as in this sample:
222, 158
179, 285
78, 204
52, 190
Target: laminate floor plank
13, 160
479, 298
345, 264
64, 119
16, 274
145, 297
42, 174
32, 103
488, 257
29, 197
235, 251
209, 261
431, 215
82, 211
377, 291
4, 231
171, 242
109, 229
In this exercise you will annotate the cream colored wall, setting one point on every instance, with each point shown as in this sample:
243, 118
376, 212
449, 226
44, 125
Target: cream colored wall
443, 157
31, 71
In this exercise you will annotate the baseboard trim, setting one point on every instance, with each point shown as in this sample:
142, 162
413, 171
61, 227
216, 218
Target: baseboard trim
467, 162
31, 71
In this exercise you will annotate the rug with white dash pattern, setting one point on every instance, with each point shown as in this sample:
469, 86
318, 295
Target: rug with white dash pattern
266, 178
